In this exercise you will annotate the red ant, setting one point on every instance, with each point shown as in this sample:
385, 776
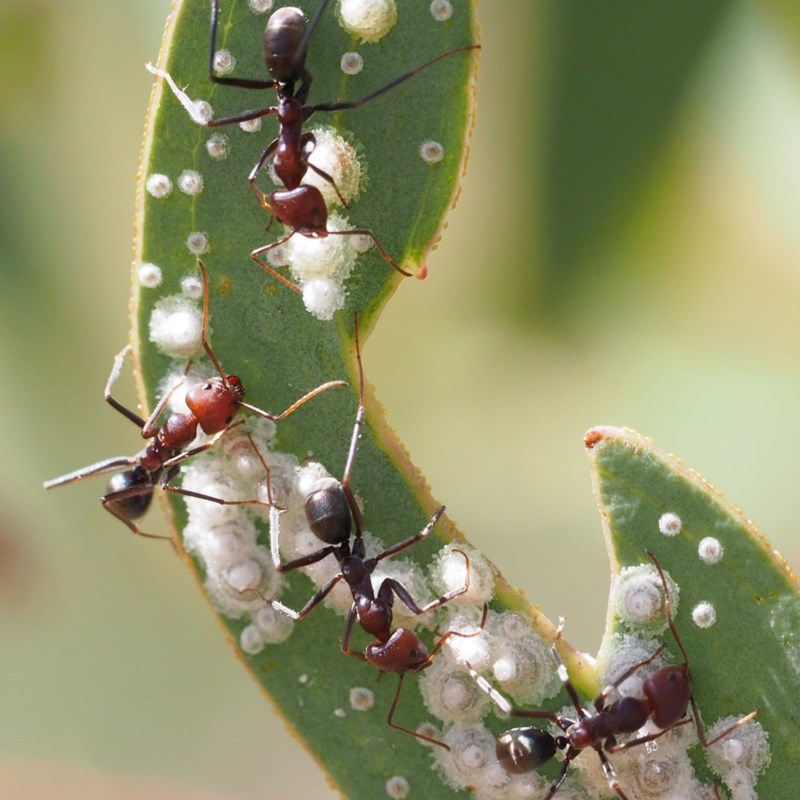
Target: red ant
332, 512
300, 207
212, 403
668, 695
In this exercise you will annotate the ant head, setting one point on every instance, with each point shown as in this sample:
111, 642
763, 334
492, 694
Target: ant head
215, 402
283, 38
136, 505
521, 750
403, 652
328, 513
669, 691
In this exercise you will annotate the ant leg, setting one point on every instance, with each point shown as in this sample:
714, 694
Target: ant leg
329, 178
617, 746
610, 774
355, 510
504, 704
171, 471
191, 109
556, 785
315, 600
600, 700
386, 87
112, 503
243, 83
348, 629
269, 151
259, 251
274, 547
389, 585
305, 561
307, 144
391, 724
461, 634
701, 733
365, 232
101, 467
323, 387
119, 360
412, 540
149, 428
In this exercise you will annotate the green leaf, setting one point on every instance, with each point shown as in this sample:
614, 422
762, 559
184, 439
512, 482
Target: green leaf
750, 656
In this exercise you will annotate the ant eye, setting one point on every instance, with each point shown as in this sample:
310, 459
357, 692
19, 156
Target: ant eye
229, 419
207, 387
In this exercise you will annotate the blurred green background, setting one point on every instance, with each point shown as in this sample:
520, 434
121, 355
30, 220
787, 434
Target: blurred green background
626, 251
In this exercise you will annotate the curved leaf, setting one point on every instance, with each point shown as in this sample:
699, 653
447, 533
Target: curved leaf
748, 654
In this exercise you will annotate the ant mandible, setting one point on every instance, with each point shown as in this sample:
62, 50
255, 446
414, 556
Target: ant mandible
334, 516
300, 207
212, 404
668, 695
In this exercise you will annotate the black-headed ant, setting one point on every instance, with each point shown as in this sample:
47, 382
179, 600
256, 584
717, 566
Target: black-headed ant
213, 405
301, 207
333, 515
667, 698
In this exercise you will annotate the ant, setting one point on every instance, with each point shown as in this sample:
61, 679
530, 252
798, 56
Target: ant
668, 695
212, 404
299, 206
332, 512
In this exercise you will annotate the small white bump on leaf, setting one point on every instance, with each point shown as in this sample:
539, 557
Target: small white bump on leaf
251, 125
397, 787
441, 10
431, 152
370, 20
224, 62
197, 243
192, 286
361, 698
704, 615
190, 182
158, 185
149, 276
670, 524
710, 550
218, 146
351, 63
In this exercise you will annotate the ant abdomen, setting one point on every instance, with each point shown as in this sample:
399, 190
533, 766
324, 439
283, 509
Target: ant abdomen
328, 513
627, 715
136, 505
282, 39
523, 750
